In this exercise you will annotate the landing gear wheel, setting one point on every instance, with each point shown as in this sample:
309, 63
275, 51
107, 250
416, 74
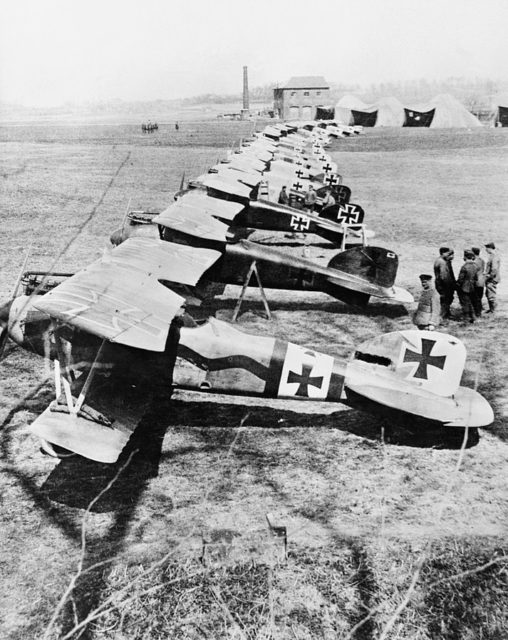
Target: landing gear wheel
55, 451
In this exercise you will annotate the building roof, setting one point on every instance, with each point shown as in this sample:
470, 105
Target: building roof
306, 82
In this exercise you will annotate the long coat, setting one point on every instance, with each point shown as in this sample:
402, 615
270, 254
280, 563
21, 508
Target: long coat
480, 263
429, 308
444, 276
492, 268
468, 277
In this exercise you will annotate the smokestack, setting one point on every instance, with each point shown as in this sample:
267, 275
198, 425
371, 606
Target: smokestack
245, 90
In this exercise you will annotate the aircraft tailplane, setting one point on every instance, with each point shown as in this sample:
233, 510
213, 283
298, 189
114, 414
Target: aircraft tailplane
415, 373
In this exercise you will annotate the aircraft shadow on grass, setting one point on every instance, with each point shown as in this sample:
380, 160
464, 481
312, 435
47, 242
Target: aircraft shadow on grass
75, 482
385, 310
212, 414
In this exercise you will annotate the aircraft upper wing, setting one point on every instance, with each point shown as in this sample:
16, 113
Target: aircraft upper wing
119, 297
192, 219
247, 177
213, 206
232, 187
256, 152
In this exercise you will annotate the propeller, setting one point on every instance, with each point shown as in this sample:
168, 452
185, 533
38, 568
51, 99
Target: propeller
182, 181
5, 309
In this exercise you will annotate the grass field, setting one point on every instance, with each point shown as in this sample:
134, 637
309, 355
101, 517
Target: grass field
401, 540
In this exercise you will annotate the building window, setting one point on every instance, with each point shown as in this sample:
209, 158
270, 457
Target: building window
305, 93
318, 93
293, 93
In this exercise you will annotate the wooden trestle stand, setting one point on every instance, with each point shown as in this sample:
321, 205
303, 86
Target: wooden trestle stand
252, 270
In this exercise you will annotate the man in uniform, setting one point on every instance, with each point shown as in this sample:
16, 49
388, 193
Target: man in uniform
428, 311
492, 275
309, 201
283, 196
328, 200
480, 280
466, 287
445, 280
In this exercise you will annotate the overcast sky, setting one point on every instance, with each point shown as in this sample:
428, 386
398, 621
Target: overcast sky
52, 51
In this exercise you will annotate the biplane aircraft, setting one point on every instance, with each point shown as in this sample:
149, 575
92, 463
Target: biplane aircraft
117, 314
196, 219
218, 211
343, 221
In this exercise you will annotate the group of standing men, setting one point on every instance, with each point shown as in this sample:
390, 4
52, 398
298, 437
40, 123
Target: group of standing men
309, 200
475, 278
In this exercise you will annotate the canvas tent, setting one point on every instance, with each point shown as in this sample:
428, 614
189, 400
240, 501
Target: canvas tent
443, 111
500, 110
385, 112
344, 107
448, 113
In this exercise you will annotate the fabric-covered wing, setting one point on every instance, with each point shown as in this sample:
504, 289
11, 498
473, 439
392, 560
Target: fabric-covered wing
224, 185
249, 178
164, 260
113, 408
192, 220
213, 206
119, 297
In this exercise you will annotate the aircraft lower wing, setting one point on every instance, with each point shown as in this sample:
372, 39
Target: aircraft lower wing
99, 429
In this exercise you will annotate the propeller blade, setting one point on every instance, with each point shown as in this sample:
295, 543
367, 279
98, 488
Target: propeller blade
182, 181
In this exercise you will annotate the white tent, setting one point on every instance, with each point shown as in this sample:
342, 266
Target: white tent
389, 111
448, 113
345, 105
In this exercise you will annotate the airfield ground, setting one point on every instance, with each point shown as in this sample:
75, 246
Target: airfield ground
400, 540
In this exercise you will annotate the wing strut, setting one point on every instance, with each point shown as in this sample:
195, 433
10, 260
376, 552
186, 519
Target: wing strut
252, 270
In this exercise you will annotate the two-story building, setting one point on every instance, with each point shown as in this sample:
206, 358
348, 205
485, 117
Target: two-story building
300, 96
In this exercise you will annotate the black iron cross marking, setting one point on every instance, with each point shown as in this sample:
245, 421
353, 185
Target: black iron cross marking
424, 359
299, 223
347, 214
327, 168
331, 179
304, 380
299, 173
297, 186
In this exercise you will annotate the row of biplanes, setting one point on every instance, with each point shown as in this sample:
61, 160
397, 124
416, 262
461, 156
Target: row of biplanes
126, 317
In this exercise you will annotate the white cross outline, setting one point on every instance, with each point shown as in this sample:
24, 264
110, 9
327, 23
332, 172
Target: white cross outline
299, 222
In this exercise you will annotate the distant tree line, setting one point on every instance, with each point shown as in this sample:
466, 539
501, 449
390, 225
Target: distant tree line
469, 91
473, 93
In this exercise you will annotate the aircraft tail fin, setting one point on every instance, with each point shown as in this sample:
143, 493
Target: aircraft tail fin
408, 374
431, 360
375, 264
